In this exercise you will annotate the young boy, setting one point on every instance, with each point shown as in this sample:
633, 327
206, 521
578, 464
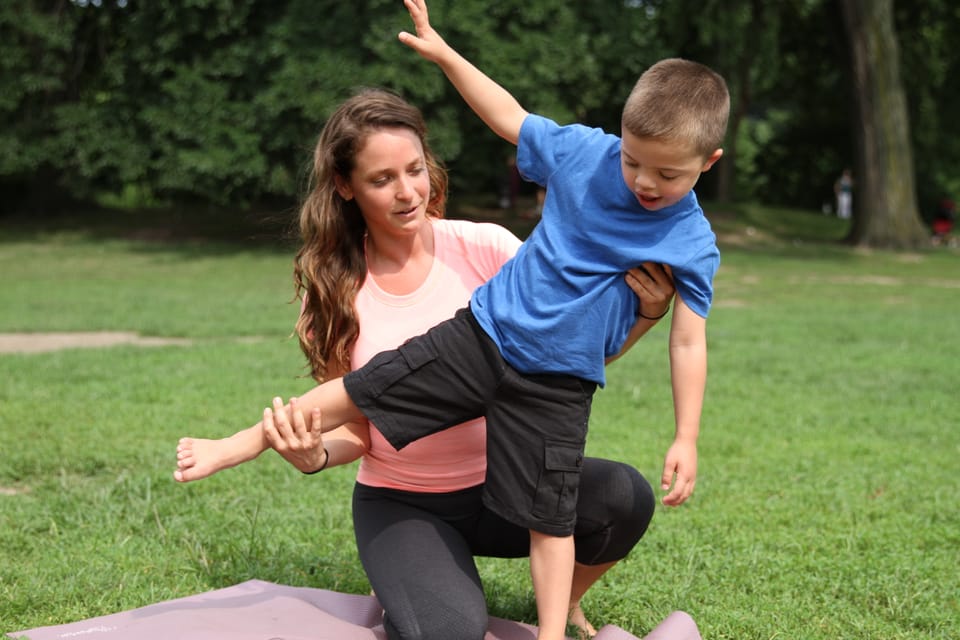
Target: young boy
530, 349
557, 310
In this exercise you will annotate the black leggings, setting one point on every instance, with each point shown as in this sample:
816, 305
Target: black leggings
417, 548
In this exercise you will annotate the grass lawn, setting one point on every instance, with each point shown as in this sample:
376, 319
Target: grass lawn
827, 502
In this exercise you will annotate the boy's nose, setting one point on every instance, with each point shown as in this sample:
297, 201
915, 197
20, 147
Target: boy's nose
643, 182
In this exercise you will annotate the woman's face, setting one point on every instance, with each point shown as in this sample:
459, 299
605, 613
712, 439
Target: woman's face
390, 181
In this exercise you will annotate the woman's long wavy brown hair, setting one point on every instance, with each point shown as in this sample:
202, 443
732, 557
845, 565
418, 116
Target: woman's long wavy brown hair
330, 266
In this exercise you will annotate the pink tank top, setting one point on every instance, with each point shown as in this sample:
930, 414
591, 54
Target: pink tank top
466, 254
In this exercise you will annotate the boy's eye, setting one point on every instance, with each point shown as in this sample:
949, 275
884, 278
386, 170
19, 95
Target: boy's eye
668, 177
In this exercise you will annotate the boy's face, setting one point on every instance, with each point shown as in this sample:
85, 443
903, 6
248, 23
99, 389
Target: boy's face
660, 173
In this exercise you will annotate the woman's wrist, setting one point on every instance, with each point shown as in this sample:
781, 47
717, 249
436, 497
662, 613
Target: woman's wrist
666, 310
326, 460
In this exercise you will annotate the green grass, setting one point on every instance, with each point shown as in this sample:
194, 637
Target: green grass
827, 503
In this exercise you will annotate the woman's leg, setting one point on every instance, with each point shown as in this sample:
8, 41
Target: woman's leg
614, 509
419, 565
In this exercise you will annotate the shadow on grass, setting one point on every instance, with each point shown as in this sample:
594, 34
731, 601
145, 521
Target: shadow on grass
194, 232
198, 232
778, 232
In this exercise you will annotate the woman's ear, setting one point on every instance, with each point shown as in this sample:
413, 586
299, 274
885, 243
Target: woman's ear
343, 187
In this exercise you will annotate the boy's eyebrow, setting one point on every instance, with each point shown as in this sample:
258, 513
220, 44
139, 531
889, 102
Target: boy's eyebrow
630, 157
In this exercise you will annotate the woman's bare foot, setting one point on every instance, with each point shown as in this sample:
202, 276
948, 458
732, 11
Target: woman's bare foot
578, 620
198, 458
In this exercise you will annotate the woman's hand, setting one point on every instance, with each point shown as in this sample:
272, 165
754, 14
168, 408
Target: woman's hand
288, 433
653, 284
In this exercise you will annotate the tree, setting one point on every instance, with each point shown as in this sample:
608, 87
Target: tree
40, 69
927, 33
220, 101
885, 203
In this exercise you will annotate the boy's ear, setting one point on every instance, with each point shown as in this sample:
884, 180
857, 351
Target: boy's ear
343, 187
711, 160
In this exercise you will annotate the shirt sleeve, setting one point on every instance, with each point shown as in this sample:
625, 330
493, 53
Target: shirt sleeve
694, 280
544, 145
483, 246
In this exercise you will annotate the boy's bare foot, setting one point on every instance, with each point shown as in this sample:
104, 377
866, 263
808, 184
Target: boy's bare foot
198, 458
578, 619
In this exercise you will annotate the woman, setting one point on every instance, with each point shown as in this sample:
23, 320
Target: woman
378, 265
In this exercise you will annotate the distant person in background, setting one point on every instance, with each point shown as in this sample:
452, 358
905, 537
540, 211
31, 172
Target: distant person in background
942, 225
843, 188
510, 184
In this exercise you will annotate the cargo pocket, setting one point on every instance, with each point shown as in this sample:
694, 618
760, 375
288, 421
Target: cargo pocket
417, 352
559, 481
384, 370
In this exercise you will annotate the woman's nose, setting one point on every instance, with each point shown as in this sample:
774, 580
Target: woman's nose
404, 189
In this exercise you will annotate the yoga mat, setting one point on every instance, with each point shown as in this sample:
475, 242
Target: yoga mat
258, 610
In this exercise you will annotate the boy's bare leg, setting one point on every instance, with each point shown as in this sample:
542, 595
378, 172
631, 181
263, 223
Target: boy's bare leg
336, 407
199, 458
551, 567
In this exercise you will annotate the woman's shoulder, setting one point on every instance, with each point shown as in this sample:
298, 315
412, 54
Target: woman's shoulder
487, 233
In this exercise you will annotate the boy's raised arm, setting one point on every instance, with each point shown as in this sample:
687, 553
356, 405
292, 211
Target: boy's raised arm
494, 104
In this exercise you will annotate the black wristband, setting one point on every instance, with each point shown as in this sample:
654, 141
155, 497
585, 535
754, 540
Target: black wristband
665, 312
326, 459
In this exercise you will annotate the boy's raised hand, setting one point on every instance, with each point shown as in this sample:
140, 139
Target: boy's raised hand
427, 42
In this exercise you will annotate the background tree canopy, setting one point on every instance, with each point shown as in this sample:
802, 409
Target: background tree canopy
220, 101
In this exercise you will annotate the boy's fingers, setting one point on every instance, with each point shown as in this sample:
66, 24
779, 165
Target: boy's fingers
666, 478
675, 496
682, 490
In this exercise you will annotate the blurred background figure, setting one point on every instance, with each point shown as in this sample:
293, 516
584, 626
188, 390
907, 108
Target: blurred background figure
843, 188
510, 185
942, 224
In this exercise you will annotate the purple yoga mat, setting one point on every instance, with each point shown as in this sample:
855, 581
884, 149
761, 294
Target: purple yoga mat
258, 610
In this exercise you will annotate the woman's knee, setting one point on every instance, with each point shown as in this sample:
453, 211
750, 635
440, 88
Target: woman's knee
440, 625
616, 492
616, 507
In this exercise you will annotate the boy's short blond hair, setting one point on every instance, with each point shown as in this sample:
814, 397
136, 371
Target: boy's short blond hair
679, 101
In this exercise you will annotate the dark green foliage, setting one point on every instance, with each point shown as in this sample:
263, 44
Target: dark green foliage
220, 101
928, 35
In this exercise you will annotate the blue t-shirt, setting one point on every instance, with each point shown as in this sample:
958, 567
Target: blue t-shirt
562, 305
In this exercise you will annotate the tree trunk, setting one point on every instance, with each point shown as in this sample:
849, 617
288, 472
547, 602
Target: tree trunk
885, 212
